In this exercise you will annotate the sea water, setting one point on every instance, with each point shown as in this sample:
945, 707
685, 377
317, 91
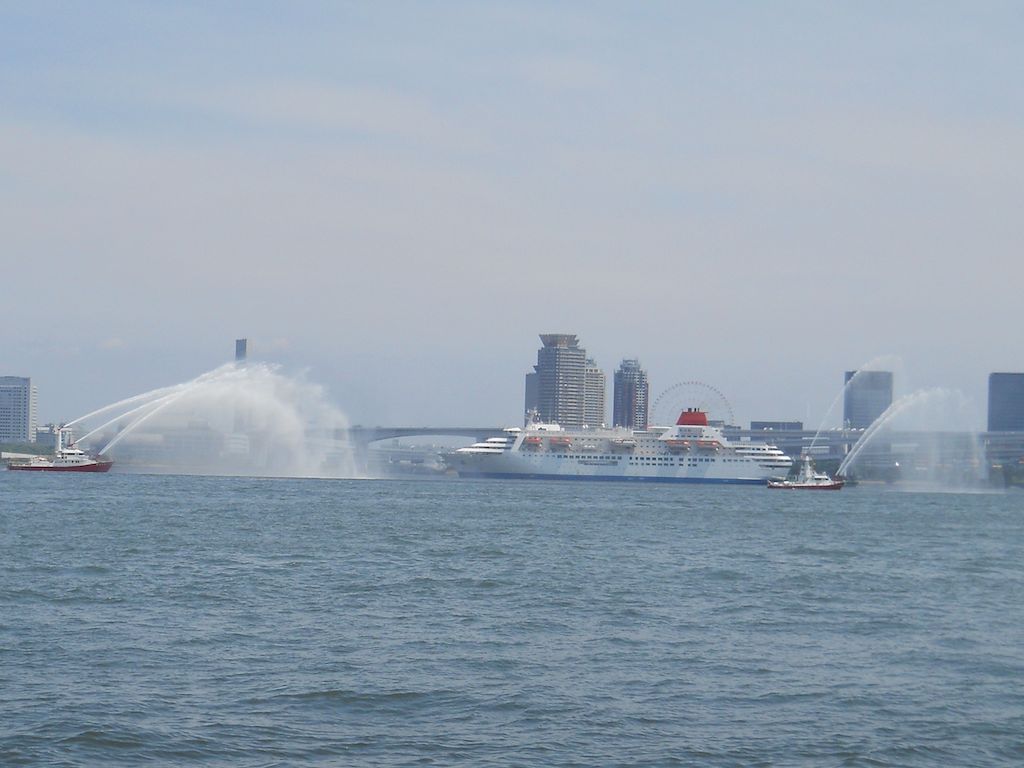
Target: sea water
257, 622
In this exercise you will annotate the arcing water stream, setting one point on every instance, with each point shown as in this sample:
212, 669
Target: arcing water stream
248, 419
934, 416
871, 365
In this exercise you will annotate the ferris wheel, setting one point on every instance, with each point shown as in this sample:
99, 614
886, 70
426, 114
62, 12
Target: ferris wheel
690, 394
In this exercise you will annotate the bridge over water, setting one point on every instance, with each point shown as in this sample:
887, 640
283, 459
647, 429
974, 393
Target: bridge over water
361, 437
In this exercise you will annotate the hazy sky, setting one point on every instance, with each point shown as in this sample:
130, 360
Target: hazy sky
399, 197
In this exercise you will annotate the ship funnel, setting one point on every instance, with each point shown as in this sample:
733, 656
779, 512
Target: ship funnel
692, 417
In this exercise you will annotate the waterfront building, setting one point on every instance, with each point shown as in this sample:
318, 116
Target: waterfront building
1006, 402
560, 380
631, 396
595, 385
17, 410
46, 438
866, 397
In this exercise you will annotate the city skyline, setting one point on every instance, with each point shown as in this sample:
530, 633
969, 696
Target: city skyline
816, 410
754, 197
866, 393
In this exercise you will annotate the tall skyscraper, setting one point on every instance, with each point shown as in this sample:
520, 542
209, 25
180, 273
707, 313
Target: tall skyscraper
532, 403
631, 398
595, 385
241, 350
1006, 402
866, 397
17, 410
560, 380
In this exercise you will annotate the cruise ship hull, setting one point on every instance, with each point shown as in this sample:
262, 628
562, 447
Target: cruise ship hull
623, 478
511, 466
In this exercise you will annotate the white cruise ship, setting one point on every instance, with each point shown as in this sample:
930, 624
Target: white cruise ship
689, 452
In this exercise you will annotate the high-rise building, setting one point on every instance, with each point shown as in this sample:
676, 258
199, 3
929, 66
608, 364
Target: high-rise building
866, 397
241, 350
17, 410
532, 402
1006, 402
631, 397
595, 386
560, 380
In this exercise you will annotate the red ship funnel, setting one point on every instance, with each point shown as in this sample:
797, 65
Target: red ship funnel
691, 417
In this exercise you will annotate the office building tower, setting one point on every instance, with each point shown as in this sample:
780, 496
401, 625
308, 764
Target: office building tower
17, 410
631, 397
866, 397
595, 385
241, 350
560, 380
532, 402
1006, 402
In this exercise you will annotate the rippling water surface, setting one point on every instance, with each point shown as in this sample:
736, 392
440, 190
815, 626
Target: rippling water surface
225, 621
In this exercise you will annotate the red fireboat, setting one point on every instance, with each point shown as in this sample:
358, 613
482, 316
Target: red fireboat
70, 459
